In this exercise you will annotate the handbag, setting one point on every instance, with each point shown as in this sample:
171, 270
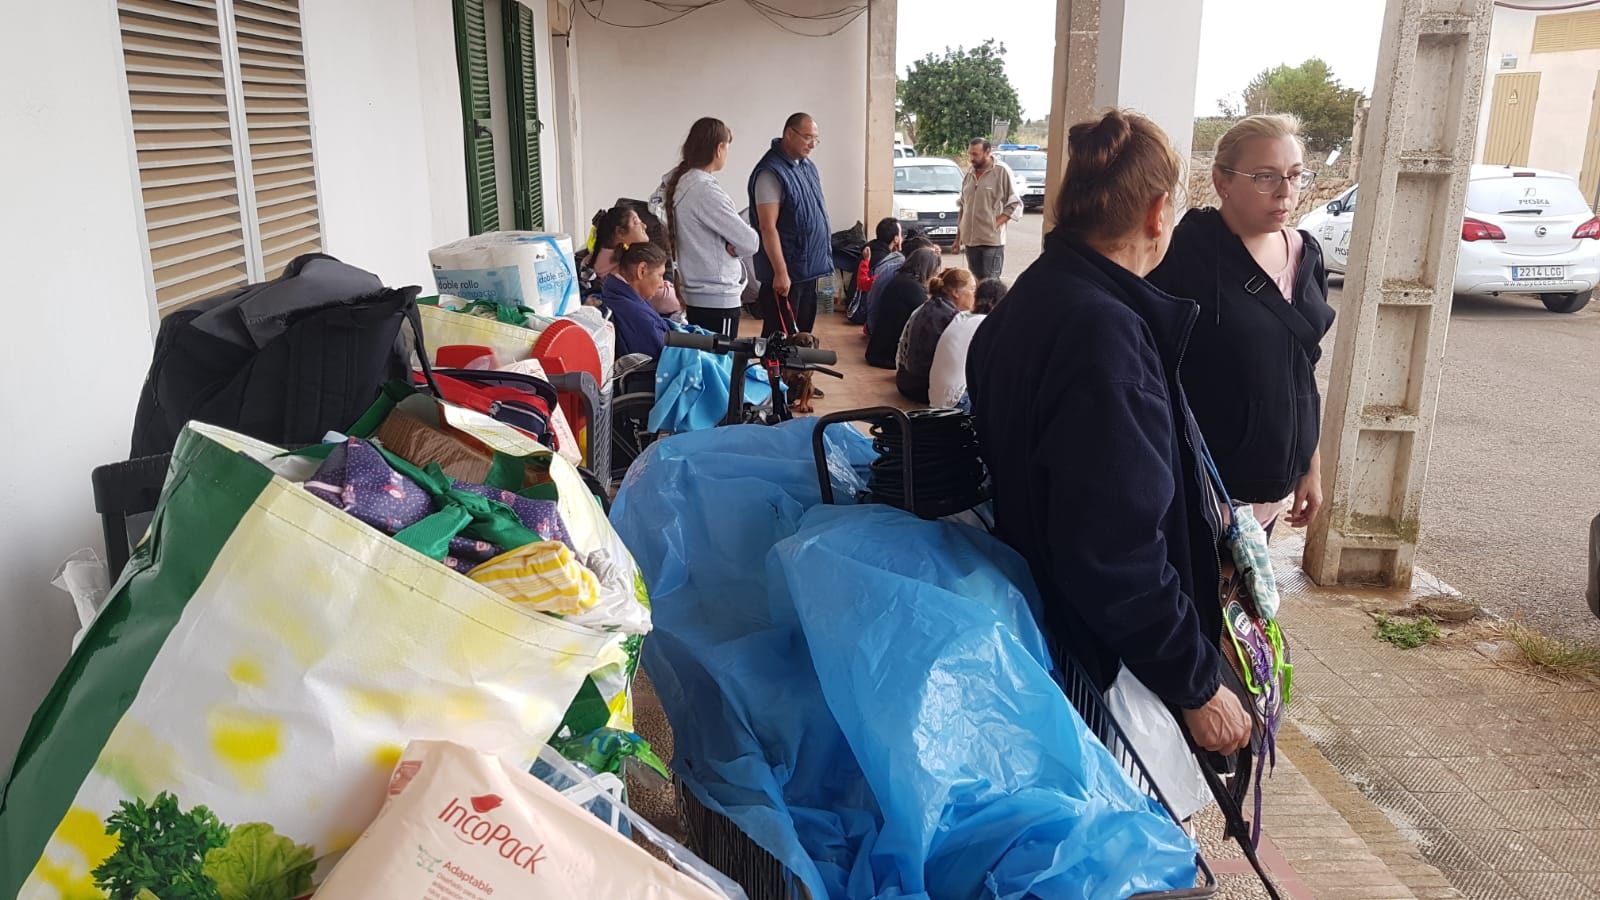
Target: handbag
1252, 641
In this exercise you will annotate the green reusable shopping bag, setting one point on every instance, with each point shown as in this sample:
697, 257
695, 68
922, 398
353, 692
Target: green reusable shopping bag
231, 719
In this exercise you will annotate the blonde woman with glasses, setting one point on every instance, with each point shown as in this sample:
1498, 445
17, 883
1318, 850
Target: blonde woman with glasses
1263, 294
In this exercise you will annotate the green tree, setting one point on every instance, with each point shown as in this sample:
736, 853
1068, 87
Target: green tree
956, 97
1325, 107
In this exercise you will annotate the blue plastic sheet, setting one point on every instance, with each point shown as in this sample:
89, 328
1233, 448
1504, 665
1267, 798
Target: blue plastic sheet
865, 693
692, 389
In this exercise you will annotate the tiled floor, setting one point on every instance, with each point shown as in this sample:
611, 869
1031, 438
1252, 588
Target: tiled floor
1494, 772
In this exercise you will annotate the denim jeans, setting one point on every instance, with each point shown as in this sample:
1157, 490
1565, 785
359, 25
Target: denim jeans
986, 262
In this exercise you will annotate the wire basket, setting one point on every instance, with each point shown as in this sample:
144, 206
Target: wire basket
717, 840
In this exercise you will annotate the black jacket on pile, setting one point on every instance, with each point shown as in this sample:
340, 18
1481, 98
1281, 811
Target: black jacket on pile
1082, 422
284, 361
1250, 379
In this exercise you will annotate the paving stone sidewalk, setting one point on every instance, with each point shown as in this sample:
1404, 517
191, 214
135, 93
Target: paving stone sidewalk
1492, 771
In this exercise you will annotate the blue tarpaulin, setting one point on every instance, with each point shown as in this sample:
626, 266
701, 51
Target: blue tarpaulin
866, 694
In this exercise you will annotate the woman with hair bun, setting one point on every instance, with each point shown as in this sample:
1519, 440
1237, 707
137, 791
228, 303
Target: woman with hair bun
950, 293
1095, 458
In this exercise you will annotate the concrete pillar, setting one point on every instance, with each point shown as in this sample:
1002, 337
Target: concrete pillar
878, 202
1108, 54
1358, 137
1389, 355
1072, 94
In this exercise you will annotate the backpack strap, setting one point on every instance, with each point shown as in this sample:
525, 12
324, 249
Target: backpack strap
1287, 314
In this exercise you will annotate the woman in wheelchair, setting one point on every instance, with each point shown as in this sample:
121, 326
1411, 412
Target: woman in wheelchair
641, 272
615, 230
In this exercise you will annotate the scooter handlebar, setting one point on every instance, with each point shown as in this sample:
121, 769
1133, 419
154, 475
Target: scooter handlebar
819, 356
693, 341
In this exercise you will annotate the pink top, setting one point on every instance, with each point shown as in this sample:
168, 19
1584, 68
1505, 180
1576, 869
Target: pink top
665, 302
1295, 242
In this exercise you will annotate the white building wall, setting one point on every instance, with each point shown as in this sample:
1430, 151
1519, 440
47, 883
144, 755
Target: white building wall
643, 87
1147, 69
1566, 92
441, 135
379, 172
500, 114
77, 335
387, 128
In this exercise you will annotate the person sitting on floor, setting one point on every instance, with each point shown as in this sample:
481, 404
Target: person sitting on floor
640, 329
882, 275
883, 250
947, 382
951, 292
906, 291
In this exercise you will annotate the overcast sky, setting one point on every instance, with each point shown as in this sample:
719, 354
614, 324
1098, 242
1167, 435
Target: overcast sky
1238, 39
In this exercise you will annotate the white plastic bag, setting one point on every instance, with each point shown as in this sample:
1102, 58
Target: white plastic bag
1155, 736
462, 824
85, 577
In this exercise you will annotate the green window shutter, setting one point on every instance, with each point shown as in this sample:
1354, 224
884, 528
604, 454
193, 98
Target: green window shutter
472, 59
522, 93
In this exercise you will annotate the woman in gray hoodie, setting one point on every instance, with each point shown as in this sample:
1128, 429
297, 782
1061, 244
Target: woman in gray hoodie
708, 235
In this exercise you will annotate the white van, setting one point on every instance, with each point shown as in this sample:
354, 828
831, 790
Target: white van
927, 196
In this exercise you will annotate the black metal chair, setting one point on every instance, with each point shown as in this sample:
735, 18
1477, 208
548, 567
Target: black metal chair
125, 495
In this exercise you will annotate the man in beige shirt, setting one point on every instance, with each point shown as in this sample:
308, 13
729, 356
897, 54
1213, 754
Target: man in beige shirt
988, 202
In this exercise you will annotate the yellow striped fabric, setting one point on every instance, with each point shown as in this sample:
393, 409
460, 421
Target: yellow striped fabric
544, 575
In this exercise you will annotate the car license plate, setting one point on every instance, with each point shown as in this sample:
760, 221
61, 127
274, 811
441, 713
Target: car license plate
948, 229
1538, 273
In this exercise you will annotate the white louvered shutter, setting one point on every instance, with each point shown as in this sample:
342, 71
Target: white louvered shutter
188, 176
222, 131
277, 118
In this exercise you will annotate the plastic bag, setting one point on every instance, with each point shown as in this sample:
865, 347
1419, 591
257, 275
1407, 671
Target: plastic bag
267, 657
866, 694
1149, 726
602, 796
84, 576
459, 823
513, 268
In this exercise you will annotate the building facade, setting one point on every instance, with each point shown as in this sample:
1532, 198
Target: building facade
181, 148
1541, 107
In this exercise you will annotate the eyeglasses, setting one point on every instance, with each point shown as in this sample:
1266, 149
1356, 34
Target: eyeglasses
811, 140
1267, 182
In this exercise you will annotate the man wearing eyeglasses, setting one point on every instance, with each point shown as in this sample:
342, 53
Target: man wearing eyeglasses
988, 202
792, 218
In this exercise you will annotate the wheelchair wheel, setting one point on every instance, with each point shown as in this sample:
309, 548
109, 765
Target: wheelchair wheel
630, 430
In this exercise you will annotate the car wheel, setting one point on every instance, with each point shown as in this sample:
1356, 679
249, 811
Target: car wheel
1566, 303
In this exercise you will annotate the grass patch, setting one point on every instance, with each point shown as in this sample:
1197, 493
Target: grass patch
1407, 635
1567, 659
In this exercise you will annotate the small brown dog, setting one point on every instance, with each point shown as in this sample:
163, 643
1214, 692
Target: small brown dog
799, 383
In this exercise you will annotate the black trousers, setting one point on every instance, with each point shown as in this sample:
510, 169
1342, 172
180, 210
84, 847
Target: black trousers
801, 306
723, 321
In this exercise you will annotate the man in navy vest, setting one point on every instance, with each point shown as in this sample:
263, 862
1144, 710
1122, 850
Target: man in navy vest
788, 211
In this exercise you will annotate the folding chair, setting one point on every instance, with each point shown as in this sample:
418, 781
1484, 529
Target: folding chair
125, 494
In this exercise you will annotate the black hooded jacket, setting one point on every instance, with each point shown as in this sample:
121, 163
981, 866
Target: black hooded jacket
1074, 383
1249, 376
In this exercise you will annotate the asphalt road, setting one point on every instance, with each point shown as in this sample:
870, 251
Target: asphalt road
1514, 476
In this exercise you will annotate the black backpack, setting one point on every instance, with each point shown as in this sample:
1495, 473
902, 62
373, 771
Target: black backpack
284, 361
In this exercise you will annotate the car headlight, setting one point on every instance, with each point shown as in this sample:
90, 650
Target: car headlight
907, 214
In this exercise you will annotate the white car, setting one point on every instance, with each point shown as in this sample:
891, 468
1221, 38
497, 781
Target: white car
927, 196
1027, 174
1526, 231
